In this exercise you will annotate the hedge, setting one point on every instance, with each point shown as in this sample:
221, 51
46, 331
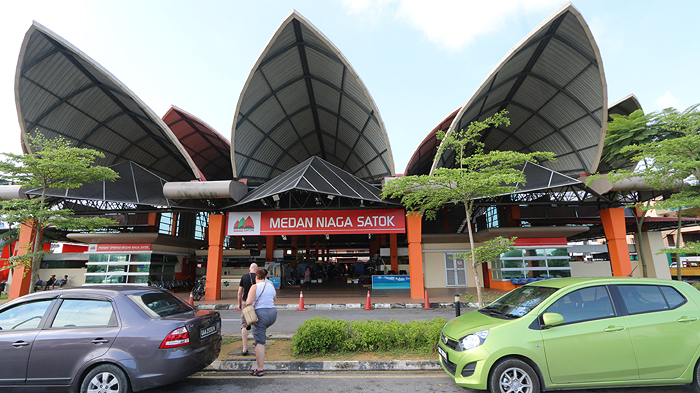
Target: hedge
323, 335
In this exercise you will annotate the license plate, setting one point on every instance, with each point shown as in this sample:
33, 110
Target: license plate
207, 332
442, 353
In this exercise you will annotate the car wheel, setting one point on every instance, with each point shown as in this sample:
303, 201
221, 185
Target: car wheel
106, 378
513, 376
696, 379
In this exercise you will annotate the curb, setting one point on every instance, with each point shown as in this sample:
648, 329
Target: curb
248, 364
340, 306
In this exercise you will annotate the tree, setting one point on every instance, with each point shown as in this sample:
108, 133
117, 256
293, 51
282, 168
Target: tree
479, 174
53, 164
669, 161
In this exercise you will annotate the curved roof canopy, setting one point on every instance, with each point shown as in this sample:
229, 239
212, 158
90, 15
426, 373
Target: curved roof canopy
553, 86
422, 159
304, 99
60, 91
208, 149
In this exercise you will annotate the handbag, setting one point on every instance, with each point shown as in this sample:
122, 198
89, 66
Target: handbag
251, 318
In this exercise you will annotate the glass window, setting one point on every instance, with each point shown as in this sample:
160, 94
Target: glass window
513, 253
642, 298
119, 258
584, 305
94, 279
116, 268
160, 304
25, 316
114, 279
81, 313
98, 257
673, 298
141, 258
96, 268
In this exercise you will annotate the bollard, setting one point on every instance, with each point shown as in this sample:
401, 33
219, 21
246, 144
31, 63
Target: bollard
457, 311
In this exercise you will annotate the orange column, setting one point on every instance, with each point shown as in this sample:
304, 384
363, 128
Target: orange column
21, 282
215, 259
153, 222
615, 232
269, 248
394, 253
415, 254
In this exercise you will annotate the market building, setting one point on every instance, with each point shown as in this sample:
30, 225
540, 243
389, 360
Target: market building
300, 182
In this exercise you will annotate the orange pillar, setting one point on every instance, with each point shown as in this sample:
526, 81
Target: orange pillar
21, 282
215, 259
615, 232
269, 248
153, 222
415, 254
394, 253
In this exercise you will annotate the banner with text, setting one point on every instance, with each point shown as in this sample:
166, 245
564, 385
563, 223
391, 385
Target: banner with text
316, 222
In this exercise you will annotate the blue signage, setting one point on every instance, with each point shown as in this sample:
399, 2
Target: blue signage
391, 282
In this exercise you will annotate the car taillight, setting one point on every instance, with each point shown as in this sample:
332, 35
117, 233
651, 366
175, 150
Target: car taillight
177, 338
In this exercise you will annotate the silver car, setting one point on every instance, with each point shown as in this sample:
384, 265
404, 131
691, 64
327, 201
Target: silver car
103, 339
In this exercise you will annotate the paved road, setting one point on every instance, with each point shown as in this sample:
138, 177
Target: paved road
342, 382
288, 321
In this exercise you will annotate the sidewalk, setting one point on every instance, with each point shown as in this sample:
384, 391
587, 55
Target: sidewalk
339, 296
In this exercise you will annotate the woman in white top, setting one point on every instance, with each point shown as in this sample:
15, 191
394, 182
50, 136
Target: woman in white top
263, 295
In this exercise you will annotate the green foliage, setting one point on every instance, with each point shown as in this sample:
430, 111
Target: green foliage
320, 335
477, 174
51, 163
323, 335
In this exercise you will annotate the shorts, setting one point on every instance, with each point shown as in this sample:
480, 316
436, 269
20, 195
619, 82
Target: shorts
266, 317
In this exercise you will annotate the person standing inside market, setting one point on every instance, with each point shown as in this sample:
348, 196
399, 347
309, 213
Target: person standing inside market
247, 281
263, 296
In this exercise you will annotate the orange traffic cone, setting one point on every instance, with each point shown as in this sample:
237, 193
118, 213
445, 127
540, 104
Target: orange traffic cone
368, 306
301, 302
191, 299
426, 306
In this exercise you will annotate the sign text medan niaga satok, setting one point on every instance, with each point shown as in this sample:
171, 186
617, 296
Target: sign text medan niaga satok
319, 222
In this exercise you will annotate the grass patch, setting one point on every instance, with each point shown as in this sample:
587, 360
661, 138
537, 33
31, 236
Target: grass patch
3, 296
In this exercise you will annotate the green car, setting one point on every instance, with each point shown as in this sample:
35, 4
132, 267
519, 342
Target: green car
575, 333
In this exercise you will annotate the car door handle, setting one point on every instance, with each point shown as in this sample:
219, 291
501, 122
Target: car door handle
687, 319
99, 341
20, 344
614, 328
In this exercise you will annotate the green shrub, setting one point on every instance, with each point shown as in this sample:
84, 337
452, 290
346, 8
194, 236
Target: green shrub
321, 335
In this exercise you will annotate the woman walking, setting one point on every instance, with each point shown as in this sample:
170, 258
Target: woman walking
263, 295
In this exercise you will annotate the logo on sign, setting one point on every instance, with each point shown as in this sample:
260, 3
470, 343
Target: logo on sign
243, 223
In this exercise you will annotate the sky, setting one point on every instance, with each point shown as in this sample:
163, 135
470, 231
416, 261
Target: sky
419, 59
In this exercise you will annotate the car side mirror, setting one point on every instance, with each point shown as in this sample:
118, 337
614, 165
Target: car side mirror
551, 319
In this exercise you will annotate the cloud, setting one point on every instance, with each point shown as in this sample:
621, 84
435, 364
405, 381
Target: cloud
452, 24
668, 101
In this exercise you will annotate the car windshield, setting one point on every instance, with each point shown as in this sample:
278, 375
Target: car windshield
518, 302
160, 304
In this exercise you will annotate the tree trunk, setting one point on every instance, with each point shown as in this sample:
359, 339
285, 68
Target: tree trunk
678, 245
467, 207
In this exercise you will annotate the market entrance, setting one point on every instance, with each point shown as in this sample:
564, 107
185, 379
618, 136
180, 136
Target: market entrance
335, 246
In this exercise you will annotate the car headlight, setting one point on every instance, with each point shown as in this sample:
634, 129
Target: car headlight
472, 340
